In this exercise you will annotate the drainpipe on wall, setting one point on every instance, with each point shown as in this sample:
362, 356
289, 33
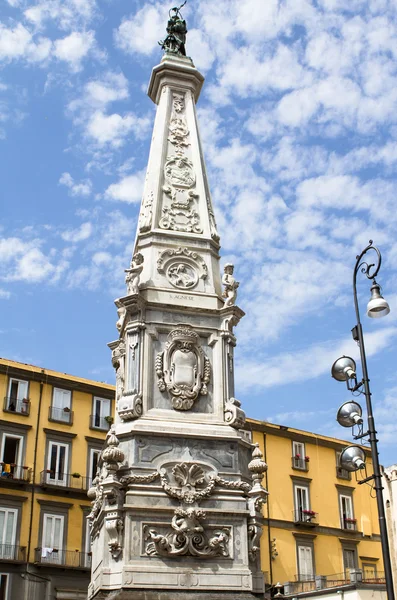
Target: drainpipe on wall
34, 469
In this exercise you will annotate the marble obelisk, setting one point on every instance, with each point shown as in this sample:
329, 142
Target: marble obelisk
176, 504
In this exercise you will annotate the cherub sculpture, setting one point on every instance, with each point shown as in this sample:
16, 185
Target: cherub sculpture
230, 285
133, 274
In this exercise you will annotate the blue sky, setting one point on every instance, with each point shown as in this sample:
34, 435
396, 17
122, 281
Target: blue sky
299, 124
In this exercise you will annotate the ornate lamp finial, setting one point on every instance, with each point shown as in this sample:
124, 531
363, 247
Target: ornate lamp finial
176, 30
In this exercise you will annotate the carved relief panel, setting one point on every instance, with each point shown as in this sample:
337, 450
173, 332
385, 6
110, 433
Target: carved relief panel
182, 368
130, 403
179, 210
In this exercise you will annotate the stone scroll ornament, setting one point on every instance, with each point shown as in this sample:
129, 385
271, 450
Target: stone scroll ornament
188, 537
182, 368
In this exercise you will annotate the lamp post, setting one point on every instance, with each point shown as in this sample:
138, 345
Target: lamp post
344, 369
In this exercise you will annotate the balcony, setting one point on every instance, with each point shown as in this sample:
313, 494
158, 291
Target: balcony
12, 553
15, 472
301, 463
101, 423
305, 516
70, 481
63, 558
19, 407
60, 415
349, 523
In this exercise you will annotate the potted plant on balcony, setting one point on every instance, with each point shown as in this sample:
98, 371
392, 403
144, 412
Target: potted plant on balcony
307, 458
109, 419
66, 409
76, 475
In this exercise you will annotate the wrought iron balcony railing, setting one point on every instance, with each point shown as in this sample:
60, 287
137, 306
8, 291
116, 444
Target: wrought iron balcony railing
301, 463
102, 423
20, 407
15, 472
61, 415
305, 516
11, 552
349, 523
65, 558
69, 480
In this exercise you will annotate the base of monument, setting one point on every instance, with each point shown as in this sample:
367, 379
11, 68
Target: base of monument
174, 595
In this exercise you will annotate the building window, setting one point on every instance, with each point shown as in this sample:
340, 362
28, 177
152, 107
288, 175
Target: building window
87, 543
346, 512
11, 455
302, 510
4, 578
8, 528
17, 399
100, 418
305, 562
349, 560
341, 473
60, 410
94, 455
57, 463
299, 458
369, 571
52, 539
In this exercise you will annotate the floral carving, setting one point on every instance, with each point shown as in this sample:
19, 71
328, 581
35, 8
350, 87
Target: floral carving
188, 476
182, 368
149, 478
114, 527
188, 537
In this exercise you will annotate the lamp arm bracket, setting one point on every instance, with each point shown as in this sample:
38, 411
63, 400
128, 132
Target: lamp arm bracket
370, 270
370, 478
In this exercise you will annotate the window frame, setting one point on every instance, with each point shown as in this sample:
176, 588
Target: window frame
344, 494
6, 405
100, 415
53, 416
298, 449
54, 480
58, 509
341, 473
7, 588
307, 546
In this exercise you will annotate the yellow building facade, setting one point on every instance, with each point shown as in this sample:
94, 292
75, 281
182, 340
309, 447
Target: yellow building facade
53, 427
318, 520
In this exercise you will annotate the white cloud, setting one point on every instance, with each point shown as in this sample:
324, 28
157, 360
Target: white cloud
18, 42
83, 188
66, 13
128, 189
112, 129
74, 48
140, 34
4, 294
78, 235
287, 368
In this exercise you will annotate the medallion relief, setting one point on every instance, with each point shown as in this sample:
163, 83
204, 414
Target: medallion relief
182, 267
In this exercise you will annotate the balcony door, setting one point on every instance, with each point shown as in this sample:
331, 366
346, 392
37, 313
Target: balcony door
346, 511
101, 411
17, 392
57, 464
52, 541
301, 502
11, 456
61, 403
305, 563
8, 527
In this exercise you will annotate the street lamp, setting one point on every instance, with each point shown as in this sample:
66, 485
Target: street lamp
349, 414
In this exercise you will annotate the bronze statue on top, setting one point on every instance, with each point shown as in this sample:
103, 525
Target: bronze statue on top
176, 30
